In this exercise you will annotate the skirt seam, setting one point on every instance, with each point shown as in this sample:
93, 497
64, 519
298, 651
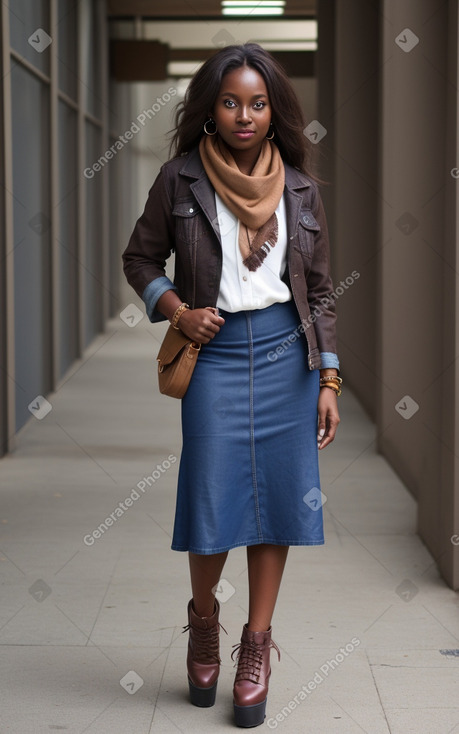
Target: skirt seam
252, 428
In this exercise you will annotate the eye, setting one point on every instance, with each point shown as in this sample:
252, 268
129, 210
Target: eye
229, 103
259, 105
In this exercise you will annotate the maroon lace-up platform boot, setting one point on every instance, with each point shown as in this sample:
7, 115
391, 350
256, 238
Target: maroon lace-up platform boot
250, 690
203, 658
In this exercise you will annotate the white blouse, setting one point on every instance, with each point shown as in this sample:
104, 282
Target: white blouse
241, 289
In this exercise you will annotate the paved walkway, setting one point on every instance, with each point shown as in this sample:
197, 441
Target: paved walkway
91, 621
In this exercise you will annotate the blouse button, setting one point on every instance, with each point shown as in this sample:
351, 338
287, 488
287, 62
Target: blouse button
191, 210
244, 277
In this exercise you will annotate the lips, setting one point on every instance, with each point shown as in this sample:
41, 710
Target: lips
244, 134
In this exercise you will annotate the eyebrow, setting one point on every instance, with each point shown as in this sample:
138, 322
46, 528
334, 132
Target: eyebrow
232, 94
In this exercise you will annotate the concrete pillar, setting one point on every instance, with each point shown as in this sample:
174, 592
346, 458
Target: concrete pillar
449, 477
448, 509
417, 263
348, 106
7, 352
325, 70
388, 94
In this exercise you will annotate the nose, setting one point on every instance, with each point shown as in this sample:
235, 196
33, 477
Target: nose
244, 115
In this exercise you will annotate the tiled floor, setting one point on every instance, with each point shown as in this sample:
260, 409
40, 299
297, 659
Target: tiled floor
77, 617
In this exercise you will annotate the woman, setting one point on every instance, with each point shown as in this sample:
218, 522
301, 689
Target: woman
252, 285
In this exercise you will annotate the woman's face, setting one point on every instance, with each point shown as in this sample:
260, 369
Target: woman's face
242, 110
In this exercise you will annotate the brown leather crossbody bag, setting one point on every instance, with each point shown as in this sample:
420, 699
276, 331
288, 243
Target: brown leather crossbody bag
176, 359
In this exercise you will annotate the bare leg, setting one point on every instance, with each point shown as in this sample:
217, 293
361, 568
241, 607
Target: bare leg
205, 572
266, 565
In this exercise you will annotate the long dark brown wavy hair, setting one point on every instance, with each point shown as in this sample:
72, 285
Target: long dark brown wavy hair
287, 116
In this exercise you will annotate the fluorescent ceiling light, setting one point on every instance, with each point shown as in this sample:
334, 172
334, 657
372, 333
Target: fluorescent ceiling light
245, 7
249, 10
253, 3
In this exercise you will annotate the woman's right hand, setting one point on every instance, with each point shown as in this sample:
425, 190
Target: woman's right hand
200, 324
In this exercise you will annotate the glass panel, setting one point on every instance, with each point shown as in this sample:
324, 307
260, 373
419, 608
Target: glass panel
90, 50
68, 236
30, 33
115, 229
32, 255
67, 37
92, 273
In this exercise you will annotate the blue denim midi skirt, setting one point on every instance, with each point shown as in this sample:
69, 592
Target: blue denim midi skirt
249, 463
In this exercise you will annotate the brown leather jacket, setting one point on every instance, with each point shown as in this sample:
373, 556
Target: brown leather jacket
180, 214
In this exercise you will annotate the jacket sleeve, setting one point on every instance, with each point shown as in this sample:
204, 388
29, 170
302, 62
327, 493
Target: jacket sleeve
150, 245
321, 296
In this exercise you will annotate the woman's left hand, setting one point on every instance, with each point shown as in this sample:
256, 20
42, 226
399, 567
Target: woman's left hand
328, 417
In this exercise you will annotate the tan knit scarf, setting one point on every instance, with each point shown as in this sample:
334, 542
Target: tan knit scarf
252, 199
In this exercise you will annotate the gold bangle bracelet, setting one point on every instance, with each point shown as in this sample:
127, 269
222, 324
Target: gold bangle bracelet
337, 381
336, 390
177, 313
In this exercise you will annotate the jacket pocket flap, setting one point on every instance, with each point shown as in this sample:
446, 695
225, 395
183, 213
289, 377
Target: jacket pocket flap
187, 209
308, 220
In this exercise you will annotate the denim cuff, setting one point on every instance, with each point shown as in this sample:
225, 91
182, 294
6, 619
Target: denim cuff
329, 359
153, 293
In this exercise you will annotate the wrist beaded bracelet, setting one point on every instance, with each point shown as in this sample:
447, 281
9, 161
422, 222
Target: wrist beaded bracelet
177, 313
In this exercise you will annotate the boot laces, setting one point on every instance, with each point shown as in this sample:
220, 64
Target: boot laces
206, 643
250, 659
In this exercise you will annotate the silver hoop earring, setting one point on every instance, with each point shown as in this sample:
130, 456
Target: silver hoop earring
273, 133
205, 128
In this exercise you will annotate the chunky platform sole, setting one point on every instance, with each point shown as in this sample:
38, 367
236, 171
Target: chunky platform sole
203, 697
248, 716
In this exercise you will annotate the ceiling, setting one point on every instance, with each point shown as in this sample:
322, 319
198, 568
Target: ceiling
195, 8
183, 33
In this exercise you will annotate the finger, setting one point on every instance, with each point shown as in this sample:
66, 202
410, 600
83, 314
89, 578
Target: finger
330, 432
321, 424
325, 441
320, 434
212, 328
217, 320
208, 332
215, 312
328, 438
